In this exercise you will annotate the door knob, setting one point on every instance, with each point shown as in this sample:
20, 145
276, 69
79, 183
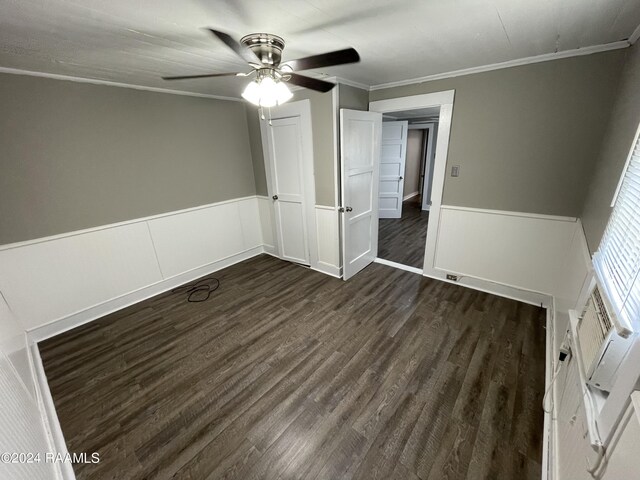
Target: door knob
349, 209
275, 197
400, 178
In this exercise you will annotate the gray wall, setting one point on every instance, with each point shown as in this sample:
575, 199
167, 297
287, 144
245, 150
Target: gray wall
257, 155
527, 137
620, 132
322, 115
352, 97
77, 155
323, 146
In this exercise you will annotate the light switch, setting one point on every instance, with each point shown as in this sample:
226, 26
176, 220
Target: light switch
455, 171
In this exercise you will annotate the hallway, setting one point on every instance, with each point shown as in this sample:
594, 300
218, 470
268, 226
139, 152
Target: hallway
402, 240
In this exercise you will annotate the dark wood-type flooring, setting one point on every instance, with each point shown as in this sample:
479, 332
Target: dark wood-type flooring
286, 373
402, 240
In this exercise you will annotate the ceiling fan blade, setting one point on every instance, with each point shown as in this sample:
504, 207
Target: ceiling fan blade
205, 75
243, 52
308, 82
339, 57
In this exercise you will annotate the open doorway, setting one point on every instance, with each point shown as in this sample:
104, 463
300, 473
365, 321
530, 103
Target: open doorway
361, 146
405, 185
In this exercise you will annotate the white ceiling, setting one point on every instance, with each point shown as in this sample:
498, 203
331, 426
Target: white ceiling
137, 41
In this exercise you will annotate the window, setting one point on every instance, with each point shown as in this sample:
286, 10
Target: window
617, 261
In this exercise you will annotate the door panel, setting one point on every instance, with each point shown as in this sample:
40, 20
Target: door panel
390, 169
392, 162
290, 226
285, 136
285, 145
360, 141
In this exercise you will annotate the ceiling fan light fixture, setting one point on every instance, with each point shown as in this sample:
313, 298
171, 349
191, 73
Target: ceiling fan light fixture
251, 93
266, 92
283, 92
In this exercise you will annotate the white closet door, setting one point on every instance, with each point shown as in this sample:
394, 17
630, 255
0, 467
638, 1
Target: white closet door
360, 134
392, 163
287, 181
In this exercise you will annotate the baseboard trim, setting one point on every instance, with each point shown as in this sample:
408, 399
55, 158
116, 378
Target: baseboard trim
548, 442
74, 320
270, 249
494, 288
479, 284
327, 269
411, 195
63, 470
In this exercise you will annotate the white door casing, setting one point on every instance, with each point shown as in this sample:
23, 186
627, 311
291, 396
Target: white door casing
360, 145
445, 101
392, 164
287, 143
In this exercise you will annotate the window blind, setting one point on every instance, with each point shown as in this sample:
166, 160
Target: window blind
617, 261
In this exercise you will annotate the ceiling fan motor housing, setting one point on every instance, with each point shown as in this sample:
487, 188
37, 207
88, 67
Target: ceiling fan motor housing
267, 47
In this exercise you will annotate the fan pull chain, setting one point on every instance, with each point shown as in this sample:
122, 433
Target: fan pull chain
262, 117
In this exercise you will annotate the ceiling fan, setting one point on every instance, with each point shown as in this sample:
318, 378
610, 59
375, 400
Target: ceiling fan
263, 51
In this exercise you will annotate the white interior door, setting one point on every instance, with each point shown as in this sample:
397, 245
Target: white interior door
392, 162
284, 140
360, 137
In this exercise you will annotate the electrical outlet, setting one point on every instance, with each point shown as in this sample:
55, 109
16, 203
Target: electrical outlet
455, 171
452, 277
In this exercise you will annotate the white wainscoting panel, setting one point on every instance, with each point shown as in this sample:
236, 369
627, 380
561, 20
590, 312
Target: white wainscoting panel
48, 280
576, 273
13, 344
189, 240
624, 457
248, 210
572, 440
327, 225
59, 282
22, 427
523, 251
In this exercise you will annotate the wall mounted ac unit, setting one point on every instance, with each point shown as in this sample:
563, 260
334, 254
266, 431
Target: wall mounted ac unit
603, 347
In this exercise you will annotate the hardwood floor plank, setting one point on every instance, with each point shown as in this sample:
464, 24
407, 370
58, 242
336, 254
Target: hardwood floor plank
403, 240
286, 373
421, 448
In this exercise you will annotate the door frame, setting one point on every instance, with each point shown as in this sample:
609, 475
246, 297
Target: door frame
302, 109
444, 100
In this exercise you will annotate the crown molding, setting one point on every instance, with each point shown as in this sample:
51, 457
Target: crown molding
345, 81
95, 81
511, 63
